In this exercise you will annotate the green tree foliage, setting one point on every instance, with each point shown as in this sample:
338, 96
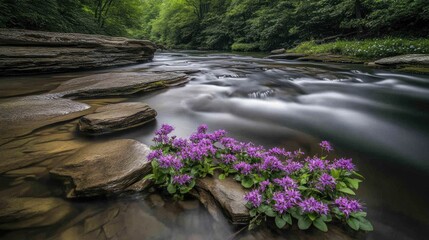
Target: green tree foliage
221, 24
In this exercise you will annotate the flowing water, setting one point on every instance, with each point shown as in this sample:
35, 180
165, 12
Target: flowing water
378, 117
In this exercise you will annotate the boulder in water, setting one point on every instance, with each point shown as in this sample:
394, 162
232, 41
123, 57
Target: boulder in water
116, 117
103, 168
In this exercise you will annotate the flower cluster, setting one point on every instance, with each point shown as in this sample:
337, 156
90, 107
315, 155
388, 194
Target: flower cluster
282, 184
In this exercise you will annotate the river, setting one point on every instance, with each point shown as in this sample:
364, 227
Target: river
378, 117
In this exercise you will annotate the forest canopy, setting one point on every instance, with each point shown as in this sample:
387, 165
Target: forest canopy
222, 24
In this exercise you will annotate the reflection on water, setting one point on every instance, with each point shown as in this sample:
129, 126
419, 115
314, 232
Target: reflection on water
377, 117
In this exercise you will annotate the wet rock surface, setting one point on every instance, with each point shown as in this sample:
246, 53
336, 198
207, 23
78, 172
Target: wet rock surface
19, 116
288, 56
229, 195
103, 168
117, 84
30, 212
25, 51
278, 51
116, 117
415, 59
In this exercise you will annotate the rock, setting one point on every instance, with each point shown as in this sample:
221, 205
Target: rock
156, 200
229, 194
103, 168
139, 186
29, 212
20, 116
331, 58
28, 52
278, 51
288, 56
414, 59
189, 204
116, 117
118, 84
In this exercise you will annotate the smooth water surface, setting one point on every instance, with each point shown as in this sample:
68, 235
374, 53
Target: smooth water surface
378, 117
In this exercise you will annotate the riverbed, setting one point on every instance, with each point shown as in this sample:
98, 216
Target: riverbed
377, 117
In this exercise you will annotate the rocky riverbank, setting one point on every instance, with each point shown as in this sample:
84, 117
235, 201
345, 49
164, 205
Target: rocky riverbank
414, 63
29, 52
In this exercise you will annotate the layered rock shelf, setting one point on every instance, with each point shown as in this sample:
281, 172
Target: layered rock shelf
104, 168
116, 117
27, 52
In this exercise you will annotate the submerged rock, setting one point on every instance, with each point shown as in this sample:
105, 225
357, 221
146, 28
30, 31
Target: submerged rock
118, 84
103, 168
116, 117
29, 212
25, 51
278, 51
229, 194
414, 59
289, 56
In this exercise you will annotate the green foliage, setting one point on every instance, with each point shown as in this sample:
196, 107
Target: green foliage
240, 25
367, 49
244, 47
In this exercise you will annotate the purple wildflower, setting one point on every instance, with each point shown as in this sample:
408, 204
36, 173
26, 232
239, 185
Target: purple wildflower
243, 168
271, 163
179, 142
202, 128
170, 161
348, 206
164, 130
217, 135
154, 154
311, 205
228, 158
326, 181
315, 164
286, 182
325, 145
263, 185
283, 201
345, 164
254, 197
278, 151
292, 167
182, 179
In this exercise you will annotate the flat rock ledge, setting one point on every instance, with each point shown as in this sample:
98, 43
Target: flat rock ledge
116, 117
103, 169
30, 212
288, 56
225, 196
28, 52
414, 59
22, 115
118, 84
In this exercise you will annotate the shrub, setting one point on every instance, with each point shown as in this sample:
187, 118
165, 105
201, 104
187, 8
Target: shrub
244, 47
283, 185
367, 49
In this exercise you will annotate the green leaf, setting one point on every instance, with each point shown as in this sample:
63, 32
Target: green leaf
353, 182
253, 212
247, 182
280, 222
335, 173
312, 216
320, 224
287, 218
358, 214
347, 190
171, 189
353, 223
222, 177
270, 213
357, 174
149, 176
365, 225
304, 223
